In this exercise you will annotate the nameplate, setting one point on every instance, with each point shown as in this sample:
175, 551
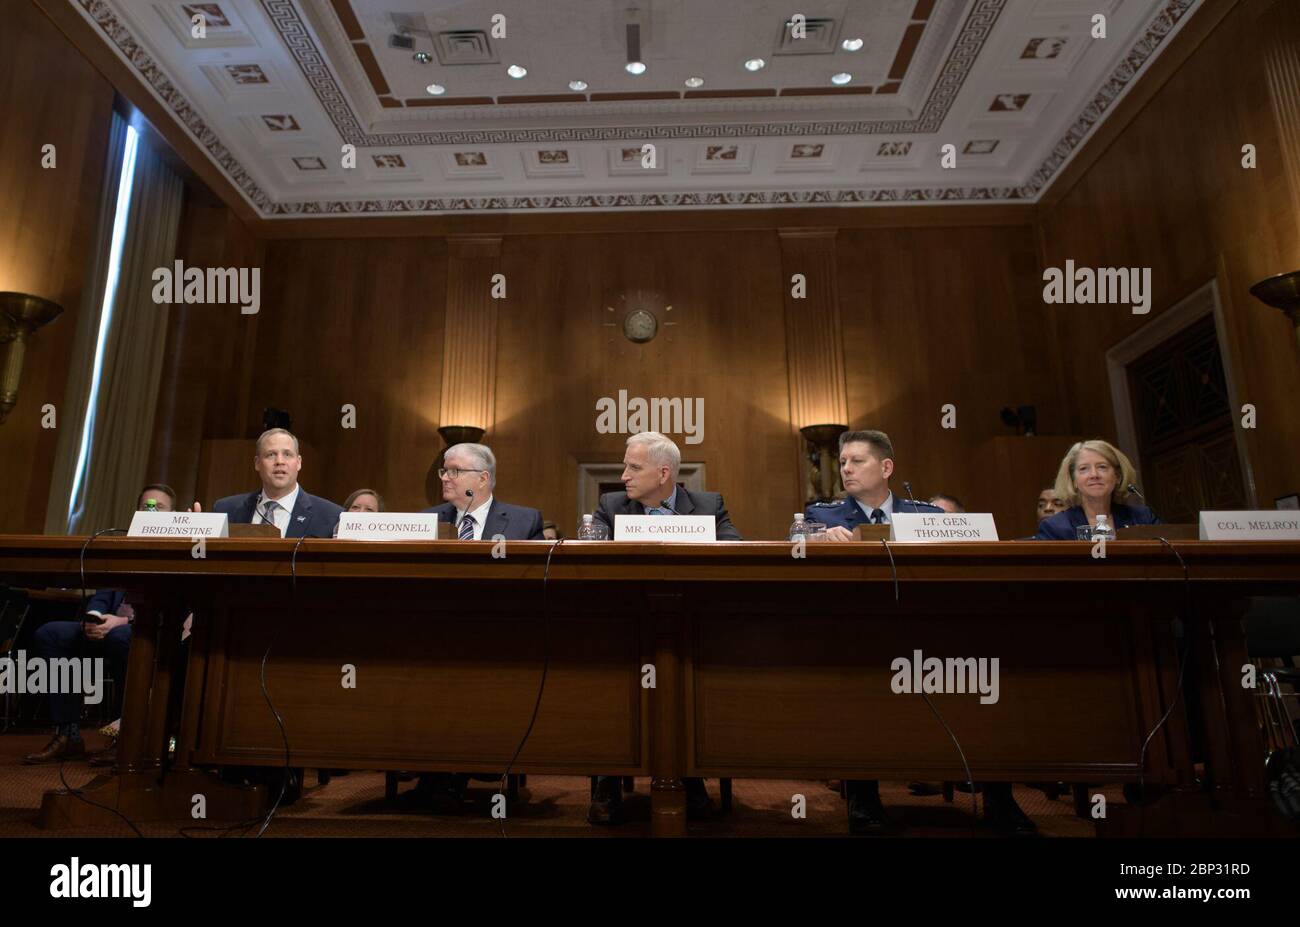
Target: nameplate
388, 526
677, 529
179, 525
940, 527
1266, 525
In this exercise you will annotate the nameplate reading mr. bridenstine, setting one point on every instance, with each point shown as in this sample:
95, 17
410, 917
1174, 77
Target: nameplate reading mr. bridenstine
676, 529
179, 525
1266, 525
935, 527
388, 526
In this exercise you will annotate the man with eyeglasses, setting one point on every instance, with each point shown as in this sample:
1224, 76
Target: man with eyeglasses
469, 476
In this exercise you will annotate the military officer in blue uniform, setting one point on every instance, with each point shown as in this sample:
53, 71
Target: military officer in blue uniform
866, 464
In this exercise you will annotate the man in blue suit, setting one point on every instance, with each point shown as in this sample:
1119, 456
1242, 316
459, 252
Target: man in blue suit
105, 629
469, 476
866, 464
281, 502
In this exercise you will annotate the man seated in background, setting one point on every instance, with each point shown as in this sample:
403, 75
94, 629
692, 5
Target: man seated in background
1049, 503
651, 464
281, 502
950, 504
104, 631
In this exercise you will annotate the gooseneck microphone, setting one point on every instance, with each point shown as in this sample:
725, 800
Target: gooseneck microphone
908, 487
1134, 491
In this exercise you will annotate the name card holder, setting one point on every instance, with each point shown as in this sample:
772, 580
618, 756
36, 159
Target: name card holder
186, 525
1266, 525
871, 532
672, 529
388, 526
941, 527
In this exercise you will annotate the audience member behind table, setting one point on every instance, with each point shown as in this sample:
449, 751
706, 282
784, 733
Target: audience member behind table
103, 632
1093, 481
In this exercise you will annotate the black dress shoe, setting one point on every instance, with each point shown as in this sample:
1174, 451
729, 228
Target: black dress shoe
699, 806
606, 801
866, 814
105, 757
60, 748
1002, 812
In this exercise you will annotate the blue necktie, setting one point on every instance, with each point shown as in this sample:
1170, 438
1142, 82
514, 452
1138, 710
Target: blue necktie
466, 528
877, 516
268, 513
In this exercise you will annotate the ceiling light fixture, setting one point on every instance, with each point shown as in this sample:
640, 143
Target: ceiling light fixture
436, 90
842, 78
633, 32
755, 64
694, 82
577, 85
851, 44
517, 72
422, 57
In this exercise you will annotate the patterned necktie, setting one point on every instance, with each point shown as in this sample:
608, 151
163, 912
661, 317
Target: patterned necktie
877, 516
268, 513
466, 532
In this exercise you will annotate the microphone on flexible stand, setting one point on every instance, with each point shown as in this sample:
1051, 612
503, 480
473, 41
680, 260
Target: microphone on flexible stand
908, 487
1134, 491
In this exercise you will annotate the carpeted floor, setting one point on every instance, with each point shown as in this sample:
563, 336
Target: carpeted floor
354, 805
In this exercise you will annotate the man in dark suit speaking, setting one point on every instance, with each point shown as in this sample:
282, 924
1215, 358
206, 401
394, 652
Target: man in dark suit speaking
650, 466
469, 476
281, 502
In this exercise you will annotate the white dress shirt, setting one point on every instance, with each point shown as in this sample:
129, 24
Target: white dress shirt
478, 516
284, 509
887, 507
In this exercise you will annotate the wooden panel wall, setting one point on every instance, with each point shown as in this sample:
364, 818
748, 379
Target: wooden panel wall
1171, 194
945, 316
48, 95
929, 316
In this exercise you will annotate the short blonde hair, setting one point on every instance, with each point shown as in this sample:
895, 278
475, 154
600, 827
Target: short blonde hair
277, 431
1124, 472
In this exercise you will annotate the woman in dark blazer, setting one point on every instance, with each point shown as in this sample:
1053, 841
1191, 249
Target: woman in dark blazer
1093, 480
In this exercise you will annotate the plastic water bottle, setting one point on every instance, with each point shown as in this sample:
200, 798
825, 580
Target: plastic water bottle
1103, 530
589, 530
797, 529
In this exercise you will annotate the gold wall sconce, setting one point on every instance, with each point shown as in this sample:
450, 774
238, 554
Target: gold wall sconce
823, 457
20, 315
451, 434
1281, 292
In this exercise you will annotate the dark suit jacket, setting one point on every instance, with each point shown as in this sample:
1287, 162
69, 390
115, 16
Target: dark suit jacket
1060, 527
515, 522
688, 503
106, 601
846, 513
312, 516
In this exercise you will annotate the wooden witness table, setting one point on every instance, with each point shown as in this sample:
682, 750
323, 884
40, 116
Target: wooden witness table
764, 665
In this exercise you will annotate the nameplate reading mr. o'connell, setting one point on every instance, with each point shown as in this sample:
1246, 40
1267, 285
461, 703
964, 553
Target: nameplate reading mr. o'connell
179, 525
1265, 525
388, 526
936, 527
676, 529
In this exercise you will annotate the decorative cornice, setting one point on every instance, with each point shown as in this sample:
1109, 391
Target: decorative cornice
298, 39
